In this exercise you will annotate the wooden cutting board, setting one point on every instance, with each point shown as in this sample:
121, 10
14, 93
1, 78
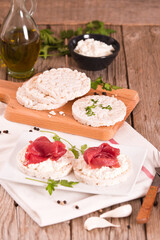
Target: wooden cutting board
17, 113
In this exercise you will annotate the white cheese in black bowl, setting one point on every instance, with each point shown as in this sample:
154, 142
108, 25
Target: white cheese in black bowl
93, 51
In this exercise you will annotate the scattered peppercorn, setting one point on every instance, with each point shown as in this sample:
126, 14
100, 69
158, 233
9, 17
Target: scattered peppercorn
49, 68
128, 226
65, 202
0, 132
77, 207
30, 130
5, 131
58, 201
155, 203
95, 93
36, 128
15, 204
104, 93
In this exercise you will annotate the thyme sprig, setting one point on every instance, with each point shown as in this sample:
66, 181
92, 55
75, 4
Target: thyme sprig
76, 151
52, 184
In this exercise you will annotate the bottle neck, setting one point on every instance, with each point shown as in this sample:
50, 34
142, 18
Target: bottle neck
18, 3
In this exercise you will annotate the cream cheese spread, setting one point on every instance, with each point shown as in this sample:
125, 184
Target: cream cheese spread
93, 48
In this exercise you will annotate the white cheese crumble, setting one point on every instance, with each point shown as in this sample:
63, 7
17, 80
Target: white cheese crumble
62, 113
93, 48
52, 113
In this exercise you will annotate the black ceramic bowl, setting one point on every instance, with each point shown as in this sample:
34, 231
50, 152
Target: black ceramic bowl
93, 63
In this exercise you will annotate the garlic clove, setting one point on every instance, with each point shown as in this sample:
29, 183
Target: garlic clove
97, 222
122, 211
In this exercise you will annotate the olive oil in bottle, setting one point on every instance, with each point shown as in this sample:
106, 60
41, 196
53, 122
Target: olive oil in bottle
19, 49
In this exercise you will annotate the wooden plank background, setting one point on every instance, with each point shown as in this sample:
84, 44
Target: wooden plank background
136, 67
109, 11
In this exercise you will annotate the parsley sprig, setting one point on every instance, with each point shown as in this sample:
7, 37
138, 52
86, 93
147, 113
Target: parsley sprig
49, 43
107, 107
88, 109
52, 184
98, 28
105, 86
76, 151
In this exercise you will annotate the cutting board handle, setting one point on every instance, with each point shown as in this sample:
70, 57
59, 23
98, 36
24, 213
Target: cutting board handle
7, 90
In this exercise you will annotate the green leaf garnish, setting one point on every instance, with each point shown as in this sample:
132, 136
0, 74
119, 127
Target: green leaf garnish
66, 183
52, 184
89, 111
94, 85
67, 34
83, 148
94, 101
105, 86
56, 138
75, 152
97, 27
107, 107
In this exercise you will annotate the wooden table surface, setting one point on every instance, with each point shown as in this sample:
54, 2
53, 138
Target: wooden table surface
136, 67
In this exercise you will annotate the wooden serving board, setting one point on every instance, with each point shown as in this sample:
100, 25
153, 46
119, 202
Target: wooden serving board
17, 113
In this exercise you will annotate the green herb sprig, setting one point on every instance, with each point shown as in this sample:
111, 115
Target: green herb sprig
107, 107
49, 43
52, 184
105, 86
88, 109
98, 28
76, 151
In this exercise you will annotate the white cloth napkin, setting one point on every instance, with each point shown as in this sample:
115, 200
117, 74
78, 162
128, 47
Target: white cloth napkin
42, 208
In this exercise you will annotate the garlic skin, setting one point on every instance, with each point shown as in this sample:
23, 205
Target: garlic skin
97, 222
122, 211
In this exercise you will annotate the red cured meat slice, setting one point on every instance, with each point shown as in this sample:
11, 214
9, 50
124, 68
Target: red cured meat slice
42, 148
104, 155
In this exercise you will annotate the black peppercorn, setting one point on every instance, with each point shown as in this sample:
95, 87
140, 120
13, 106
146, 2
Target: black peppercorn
77, 207
104, 93
36, 128
5, 131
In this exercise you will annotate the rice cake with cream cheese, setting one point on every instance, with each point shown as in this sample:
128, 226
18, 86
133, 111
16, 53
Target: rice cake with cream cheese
104, 176
46, 169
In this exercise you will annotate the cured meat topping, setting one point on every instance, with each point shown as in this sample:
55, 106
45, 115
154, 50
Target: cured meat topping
42, 148
102, 156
